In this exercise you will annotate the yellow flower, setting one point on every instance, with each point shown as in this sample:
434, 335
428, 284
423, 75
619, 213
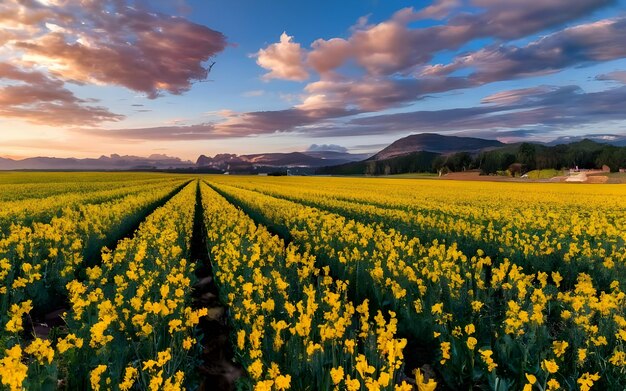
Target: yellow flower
556, 276
164, 357
265, 385
337, 375
559, 347
95, 375
283, 382
175, 325
550, 366
188, 343
403, 387
586, 380
421, 384
445, 352
241, 339
363, 367
477, 305
41, 350
582, 355
129, 378
553, 384
12, 371
69, 342
471, 343
486, 356
256, 369
352, 384
17, 311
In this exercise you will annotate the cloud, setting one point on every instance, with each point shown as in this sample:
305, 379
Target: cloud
37, 98
551, 108
578, 45
375, 93
507, 115
391, 58
115, 42
516, 96
163, 133
329, 54
326, 147
44, 45
284, 60
107, 42
438, 10
618, 76
394, 47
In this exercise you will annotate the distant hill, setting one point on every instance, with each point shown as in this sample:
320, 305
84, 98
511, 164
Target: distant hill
436, 153
113, 162
409, 162
309, 159
437, 143
612, 139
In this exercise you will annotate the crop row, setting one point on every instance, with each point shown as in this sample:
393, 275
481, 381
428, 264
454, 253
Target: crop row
38, 261
494, 325
293, 323
586, 238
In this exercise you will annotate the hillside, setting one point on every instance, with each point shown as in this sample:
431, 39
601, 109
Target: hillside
104, 163
309, 159
437, 143
449, 153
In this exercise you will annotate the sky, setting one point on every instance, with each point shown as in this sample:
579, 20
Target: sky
84, 78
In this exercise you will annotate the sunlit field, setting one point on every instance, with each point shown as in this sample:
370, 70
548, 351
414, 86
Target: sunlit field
135, 281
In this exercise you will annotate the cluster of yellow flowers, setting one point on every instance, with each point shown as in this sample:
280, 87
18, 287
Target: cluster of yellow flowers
37, 259
42, 207
493, 322
293, 324
133, 311
531, 224
495, 286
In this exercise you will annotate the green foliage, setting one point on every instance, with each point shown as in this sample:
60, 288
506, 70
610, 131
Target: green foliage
544, 174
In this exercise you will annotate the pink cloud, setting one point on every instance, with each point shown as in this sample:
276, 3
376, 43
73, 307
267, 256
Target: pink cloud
109, 42
40, 99
585, 43
104, 42
393, 47
284, 60
329, 54
618, 76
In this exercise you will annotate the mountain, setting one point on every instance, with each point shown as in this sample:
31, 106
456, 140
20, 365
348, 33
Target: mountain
436, 153
308, 159
105, 163
437, 143
612, 139
421, 161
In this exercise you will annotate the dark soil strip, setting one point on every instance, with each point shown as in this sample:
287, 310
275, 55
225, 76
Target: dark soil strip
42, 321
417, 354
218, 371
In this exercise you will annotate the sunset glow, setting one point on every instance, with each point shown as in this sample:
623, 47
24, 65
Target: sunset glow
83, 78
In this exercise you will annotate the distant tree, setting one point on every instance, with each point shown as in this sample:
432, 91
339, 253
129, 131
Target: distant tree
515, 169
460, 161
527, 154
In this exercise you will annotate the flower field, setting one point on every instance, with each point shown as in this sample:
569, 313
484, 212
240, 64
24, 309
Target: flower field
327, 283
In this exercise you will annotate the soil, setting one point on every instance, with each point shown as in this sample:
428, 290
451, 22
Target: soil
218, 371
